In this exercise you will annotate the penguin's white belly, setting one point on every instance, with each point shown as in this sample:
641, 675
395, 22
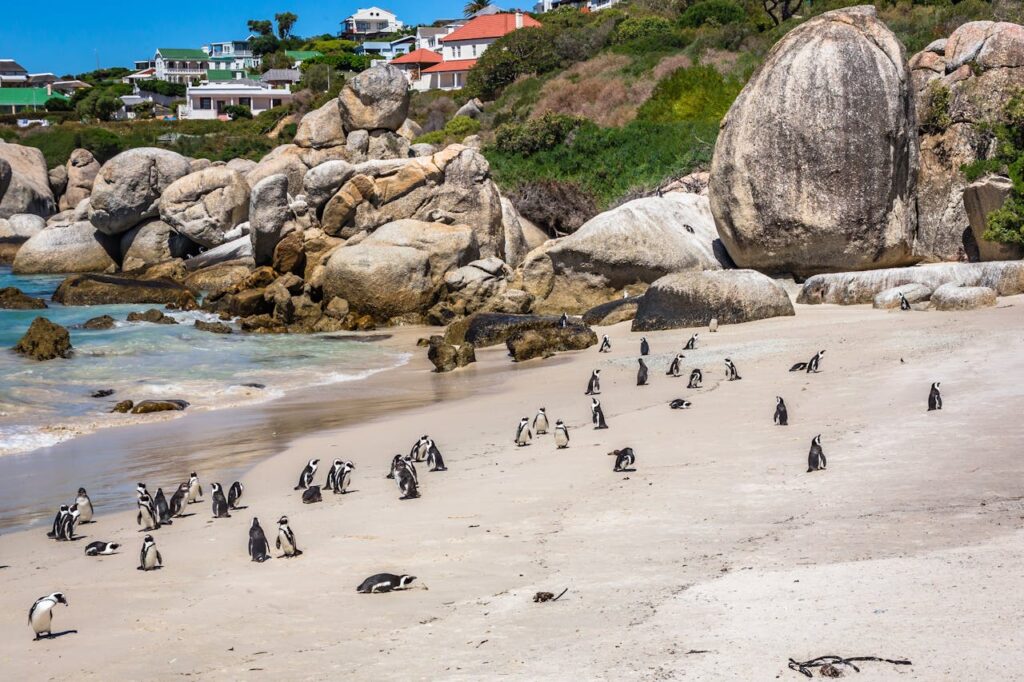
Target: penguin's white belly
560, 439
41, 619
150, 560
286, 546
84, 512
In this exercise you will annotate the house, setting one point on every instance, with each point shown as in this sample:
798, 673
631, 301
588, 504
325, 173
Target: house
299, 56
207, 101
413, 65
142, 75
12, 74
15, 100
235, 55
370, 22
590, 5
69, 87
180, 65
388, 49
463, 46
429, 37
281, 77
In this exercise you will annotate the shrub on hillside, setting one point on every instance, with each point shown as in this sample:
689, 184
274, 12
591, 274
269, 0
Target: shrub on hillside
237, 111
697, 93
164, 88
556, 206
1007, 224
58, 104
643, 28
526, 51
714, 13
535, 135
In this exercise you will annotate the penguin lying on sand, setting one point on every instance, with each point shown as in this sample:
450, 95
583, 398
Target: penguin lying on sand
385, 582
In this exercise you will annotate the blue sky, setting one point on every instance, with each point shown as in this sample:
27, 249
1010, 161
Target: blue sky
65, 36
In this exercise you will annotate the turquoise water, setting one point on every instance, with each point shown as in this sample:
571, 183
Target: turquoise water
42, 403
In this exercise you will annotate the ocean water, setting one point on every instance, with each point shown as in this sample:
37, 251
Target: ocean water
43, 403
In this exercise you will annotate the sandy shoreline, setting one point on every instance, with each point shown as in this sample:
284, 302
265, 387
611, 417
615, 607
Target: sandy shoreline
719, 557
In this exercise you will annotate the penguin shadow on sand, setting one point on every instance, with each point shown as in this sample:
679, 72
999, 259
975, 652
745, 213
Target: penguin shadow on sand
55, 635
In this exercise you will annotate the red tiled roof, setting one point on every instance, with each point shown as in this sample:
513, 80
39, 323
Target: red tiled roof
490, 26
453, 65
420, 56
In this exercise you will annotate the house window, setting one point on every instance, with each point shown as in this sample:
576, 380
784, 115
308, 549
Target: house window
474, 50
275, 103
245, 101
205, 103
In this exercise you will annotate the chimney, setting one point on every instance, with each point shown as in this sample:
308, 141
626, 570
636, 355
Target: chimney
519, 19
49, 89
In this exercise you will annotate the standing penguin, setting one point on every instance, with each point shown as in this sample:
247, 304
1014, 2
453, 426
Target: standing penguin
147, 516
606, 345
306, 477
675, 368
597, 414
140, 490
85, 510
58, 521
149, 557
523, 434
343, 478
812, 366
563, 321
713, 325
696, 377
259, 548
561, 435
624, 459
904, 303
40, 616
692, 343
177, 504
407, 483
641, 373
195, 490
435, 461
781, 415
286, 539
730, 371
235, 494
816, 457
540, 422
419, 448
935, 398
67, 524
594, 385
332, 475
163, 511
645, 348
220, 503
396, 462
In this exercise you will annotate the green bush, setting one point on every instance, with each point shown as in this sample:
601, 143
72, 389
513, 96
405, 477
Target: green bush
535, 135
1006, 225
164, 88
343, 61
437, 137
58, 104
461, 126
643, 28
935, 117
526, 51
697, 93
713, 12
237, 111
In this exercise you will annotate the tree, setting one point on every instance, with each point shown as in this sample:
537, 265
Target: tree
264, 44
285, 22
58, 104
781, 10
262, 27
99, 104
475, 6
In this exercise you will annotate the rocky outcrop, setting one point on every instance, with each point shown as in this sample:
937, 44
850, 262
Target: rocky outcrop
480, 286
612, 312
954, 297
377, 98
110, 290
153, 242
153, 316
890, 298
204, 206
13, 298
624, 249
399, 268
516, 247
527, 344
58, 178
81, 169
491, 329
268, 215
242, 166
101, 322
237, 251
76, 247
962, 86
21, 226
789, 197
693, 299
45, 340
127, 189
217, 279
851, 288
445, 357
321, 128
980, 199
24, 182
213, 327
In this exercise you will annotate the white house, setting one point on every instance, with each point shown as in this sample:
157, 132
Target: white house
388, 49
413, 66
235, 55
463, 46
592, 5
180, 65
370, 22
209, 99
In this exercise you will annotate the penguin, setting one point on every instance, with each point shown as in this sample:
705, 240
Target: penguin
195, 490
343, 478
396, 462
624, 459
730, 371
419, 448
606, 345
100, 548
781, 415
816, 457
147, 516
934, 398
540, 422
434, 459
561, 435
674, 369
696, 377
523, 434
163, 512
409, 464
40, 616
332, 475
680, 404
286, 539
259, 548
235, 494
85, 510
641, 373
385, 582
692, 343
140, 490
407, 483
597, 414
645, 348
220, 503
149, 557
798, 367
594, 385
713, 325
177, 504
812, 366
312, 495
563, 321
904, 303
67, 524
57, 521
306, 477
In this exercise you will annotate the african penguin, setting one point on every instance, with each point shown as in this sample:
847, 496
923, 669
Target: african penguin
147, 516
419, 449
730, 371
67, 524
410, 465
713, 325
85, 510
594, 385
306, 477
220, 503
149, 557
597, 414
798, 367
696, 377
641, 373
385, 582
332, 475
100, 548
235, 494
57, 521
163, 512
540, 422
140, 490
259, 548
680, 404
561, 435
675, 369
904, 303
396, 462
606, 345
434, 458
692, 343
523, 434
286, 539
312, 495
812, 366
624, 459
40, 616
407, 483
195, 490
816, 457
935, 398
563, 321
177, 504
781, 415
343, 478
645, 348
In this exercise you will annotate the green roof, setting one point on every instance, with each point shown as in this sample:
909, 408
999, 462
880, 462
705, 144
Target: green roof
303, 55
220, 75
181, 53
21, 97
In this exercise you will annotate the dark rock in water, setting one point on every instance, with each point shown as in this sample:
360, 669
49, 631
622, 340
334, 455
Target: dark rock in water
490, 329
152, 315
147, 406
13, 298
263, 324
527, 344
447, 357
45, 340
249, 302
102, 393
466, 354
101, 322
612, 312
260, 386
214, 327
123, 407
111, 290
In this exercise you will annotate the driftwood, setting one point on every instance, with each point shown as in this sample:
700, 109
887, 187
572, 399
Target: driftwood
828, 664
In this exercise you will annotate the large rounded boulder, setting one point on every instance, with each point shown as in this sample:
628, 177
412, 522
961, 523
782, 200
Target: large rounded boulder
377, 98
127, 189
24, 182
82, 169
74, 247
153, 242
321, 128
205, 205
815, 166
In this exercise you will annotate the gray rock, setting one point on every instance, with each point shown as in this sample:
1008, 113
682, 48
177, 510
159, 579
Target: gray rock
321, 128
322, 182
21, 226
410, 130
890, 298
490, 329
376, 98
153, 242
954, 297
357, 144
516, 247
384, 144
474, 108
242, 166
422, 149
58, 176
239, 250
205, 205
268, 215
82, 169
612, 312
127, 189
24, 182
815, 166
76, 247
980, 199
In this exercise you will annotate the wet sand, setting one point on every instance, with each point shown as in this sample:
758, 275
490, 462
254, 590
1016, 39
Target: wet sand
718, 558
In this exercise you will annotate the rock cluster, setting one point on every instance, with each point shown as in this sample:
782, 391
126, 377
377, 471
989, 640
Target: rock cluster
45, 340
